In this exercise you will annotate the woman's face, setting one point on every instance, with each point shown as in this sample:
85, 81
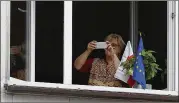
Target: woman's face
115, 45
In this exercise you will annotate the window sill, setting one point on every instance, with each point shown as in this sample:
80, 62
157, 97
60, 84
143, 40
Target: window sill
18, 86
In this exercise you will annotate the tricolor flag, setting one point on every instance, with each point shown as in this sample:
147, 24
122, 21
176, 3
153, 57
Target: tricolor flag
121, 71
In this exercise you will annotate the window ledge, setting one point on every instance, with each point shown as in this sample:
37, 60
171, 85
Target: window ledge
58, 89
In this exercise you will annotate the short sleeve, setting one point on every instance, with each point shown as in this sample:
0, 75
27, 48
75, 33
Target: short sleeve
87, 66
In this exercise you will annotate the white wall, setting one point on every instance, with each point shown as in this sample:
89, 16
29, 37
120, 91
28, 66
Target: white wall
59, 98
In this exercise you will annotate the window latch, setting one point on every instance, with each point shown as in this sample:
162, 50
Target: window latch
173, 15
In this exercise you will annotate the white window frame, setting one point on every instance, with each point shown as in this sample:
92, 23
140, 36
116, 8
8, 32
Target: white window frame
172, 47
176, 46
30, 41
67, 74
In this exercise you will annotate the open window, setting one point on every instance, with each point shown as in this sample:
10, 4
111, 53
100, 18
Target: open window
152, 21
95, 20
55, 33
48, 40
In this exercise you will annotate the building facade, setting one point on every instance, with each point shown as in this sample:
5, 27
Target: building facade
58, 85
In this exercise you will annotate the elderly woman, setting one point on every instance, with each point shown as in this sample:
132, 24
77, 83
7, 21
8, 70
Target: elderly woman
102, 71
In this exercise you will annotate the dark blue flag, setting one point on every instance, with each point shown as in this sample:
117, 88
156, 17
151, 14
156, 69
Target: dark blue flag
139, 70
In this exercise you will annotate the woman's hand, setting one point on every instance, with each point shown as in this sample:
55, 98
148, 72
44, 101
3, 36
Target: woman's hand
91, 46
110, 49
111, 52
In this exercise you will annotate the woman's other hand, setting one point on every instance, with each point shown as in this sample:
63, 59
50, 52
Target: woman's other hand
110, 49
91, 46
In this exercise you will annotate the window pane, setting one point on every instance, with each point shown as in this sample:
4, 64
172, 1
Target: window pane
95, 20
49, 41
153, 22
17, 39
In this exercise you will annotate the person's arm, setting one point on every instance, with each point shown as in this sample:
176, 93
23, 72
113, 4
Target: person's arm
114, 57
116, 61
80, 61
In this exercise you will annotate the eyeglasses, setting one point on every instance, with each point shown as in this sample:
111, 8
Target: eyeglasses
115, 45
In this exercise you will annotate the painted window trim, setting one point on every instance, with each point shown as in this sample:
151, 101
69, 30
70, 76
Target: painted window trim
172, 46
17, 86
30, 41
5, 51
